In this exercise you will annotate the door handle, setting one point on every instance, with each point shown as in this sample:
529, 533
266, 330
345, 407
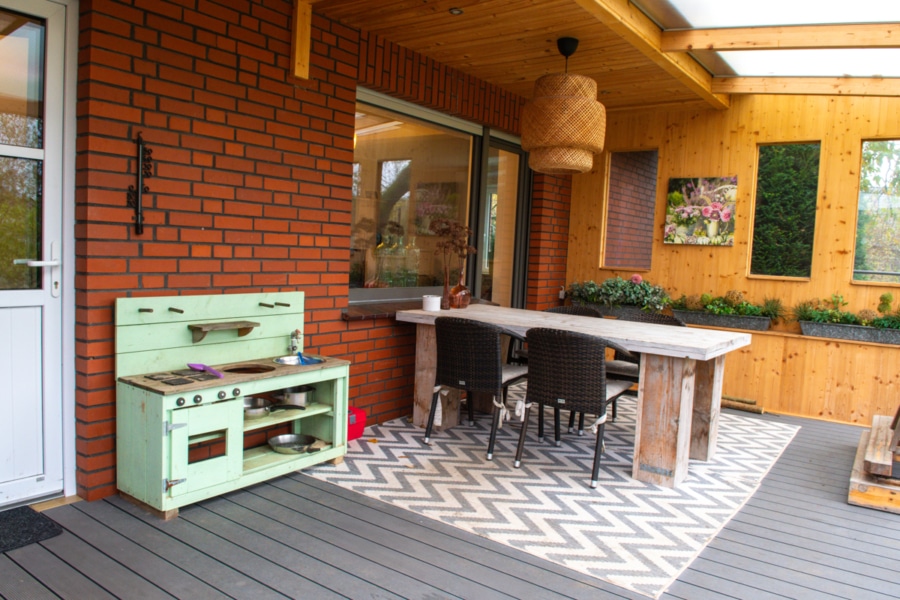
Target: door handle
54, 264
35, 263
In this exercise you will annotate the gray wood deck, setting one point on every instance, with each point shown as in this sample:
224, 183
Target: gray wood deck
296, 537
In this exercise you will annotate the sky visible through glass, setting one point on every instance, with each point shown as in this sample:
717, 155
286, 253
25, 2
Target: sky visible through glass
792, 63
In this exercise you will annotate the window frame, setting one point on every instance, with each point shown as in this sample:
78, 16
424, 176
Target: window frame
752, 229
853, 271
482, 139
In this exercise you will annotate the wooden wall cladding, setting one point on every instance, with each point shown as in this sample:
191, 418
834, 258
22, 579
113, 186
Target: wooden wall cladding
821, 378
784, 372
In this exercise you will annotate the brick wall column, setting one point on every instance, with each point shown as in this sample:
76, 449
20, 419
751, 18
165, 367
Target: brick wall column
549, 241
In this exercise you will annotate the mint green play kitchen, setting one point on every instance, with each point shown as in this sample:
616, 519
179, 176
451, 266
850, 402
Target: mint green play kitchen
215, 393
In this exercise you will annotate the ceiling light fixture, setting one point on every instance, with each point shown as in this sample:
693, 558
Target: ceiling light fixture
387, 126
456, 11
563, 125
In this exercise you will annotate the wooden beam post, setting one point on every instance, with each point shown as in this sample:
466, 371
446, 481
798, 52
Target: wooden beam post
301, 38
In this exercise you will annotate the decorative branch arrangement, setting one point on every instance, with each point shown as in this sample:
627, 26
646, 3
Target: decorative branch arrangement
135, 193
454, 242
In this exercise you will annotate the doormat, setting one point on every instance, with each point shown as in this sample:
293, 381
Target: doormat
632, 534
24, 525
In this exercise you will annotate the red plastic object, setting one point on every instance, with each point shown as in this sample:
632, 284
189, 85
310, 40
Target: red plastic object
356, 422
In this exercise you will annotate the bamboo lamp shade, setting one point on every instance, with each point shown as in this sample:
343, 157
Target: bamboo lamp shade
563, 126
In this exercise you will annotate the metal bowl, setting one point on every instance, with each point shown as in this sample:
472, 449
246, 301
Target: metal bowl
309, 359
292, 443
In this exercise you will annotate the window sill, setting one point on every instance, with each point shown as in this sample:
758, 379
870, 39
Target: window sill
385, 310
377, 310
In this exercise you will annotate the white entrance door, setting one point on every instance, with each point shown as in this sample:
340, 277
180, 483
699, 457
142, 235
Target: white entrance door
32, 42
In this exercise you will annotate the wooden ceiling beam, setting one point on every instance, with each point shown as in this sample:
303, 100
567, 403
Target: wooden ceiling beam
800, 37
827, 86
637, 29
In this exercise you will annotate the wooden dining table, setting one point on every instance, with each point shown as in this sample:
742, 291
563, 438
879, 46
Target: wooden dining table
679, 389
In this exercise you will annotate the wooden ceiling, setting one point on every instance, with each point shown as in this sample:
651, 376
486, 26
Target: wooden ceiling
511, 43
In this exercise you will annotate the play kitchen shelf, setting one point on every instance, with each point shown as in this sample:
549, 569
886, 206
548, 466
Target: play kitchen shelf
181, 435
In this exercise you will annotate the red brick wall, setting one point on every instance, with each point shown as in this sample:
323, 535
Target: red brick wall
251, 188
632, 198
391, 69
549, 242
251, 181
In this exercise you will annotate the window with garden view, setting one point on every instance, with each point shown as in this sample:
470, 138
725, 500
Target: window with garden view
877, 256
406, 174
784, 221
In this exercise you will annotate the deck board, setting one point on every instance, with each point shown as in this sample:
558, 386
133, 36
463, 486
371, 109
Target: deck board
324, 545
15, 582
57, 575
299, 537
142, 562
456, 543
428, 554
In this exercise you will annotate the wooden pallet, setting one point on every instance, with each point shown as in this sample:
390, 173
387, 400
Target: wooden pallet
872, 454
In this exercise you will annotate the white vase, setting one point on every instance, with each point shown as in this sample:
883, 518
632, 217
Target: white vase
712, 229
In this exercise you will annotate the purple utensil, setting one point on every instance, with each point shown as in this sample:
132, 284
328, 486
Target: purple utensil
207, 368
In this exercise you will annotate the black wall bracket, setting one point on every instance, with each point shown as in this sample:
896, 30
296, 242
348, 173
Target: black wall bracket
135, 194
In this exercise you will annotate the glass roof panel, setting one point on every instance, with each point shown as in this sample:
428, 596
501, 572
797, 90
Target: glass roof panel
698, 14
852, 62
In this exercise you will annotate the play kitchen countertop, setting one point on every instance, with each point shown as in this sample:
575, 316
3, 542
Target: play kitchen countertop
235, 373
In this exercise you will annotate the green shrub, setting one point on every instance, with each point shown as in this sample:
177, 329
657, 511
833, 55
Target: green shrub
616, 291
732, 303
825, 311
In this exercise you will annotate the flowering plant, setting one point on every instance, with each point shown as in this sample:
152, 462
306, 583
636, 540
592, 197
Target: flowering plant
616, 291
831, 311
732, 303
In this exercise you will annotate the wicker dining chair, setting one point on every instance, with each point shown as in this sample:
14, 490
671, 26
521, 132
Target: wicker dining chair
627, 365
469, 359
568, 371
519, 354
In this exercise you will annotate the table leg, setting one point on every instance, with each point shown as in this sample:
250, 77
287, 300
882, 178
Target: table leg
707, 403
426, 363
662, 438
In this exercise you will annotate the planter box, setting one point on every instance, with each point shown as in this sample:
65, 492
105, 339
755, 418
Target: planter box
889, 336
695, 317
612, 311
857, 333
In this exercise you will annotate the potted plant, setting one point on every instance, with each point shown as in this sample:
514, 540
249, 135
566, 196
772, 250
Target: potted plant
731, 311
616, 294
888, 323
454, 242
827, 318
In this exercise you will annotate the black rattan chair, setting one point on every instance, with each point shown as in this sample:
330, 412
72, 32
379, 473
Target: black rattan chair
568, 371
469, 358
627, 365
519, 354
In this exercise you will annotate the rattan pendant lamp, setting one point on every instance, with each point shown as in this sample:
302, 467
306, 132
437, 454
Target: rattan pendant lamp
563, 125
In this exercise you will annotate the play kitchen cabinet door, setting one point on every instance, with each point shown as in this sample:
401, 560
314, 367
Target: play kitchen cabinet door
216, 425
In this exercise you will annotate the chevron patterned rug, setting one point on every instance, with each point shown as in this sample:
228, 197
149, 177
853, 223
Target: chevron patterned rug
635, 535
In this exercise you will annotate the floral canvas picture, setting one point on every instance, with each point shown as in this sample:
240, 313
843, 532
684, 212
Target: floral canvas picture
700, 211
435, 201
